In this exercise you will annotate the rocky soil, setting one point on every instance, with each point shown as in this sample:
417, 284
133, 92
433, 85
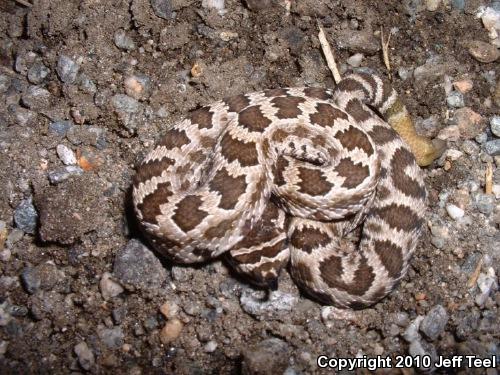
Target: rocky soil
86, 87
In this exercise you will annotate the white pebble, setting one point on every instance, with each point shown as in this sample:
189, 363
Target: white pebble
210, 346
495, 125
66, 155
496, 191
355, 60
109, 288
454, 211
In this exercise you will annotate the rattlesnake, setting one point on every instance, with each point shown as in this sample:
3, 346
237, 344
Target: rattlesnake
288, 176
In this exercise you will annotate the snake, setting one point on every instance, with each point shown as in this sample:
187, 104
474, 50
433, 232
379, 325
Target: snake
325, 182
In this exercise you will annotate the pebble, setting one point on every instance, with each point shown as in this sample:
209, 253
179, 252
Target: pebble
463, 86
411, 332
432, 70
26, 216
455, 212
485, 203
62, 174
137, 266
495, 125
31, 279
109, 287
3, 347
171, 331
85, 356
416, 349
432, 5
214, 4
123, 41
14, 236
469, 122
487, 283
111, 337
458, 4
137, 86
169, 309
24, 116
66, 155
270, 356
355, 60
4, 83
118, 314
210, 346
252, 302
5, 316
37, 73
434, 322
125, 107
492, 147
60, 128
496, 190
24, 61
86, 84
67, 69
483, 52
36, 98
455, 99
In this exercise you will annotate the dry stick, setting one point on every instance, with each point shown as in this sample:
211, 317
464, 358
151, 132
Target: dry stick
488, 176
385, 50
475, 275
24, 2
327, 51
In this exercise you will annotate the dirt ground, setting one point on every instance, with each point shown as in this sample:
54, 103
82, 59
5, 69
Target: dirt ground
87, 87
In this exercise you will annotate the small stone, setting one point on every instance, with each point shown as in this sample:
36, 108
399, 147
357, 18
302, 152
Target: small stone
355, 60
450, 133
67, 69
277, 301
411, 332
66, 155
14, 236
111, 337
404, 73
24, 61
126, 108
496, 190
123, 41
31, 279
4, 83
137, 86
495, 125
137, 266
270, 356
432, 70
60, 128
62, 174
455, 99
37, 73
36, 98
210, 346
432, 5
213, 4
85, 356
469, 122
169, 310
171, 331
26, 216
492, 147
455, 212
463, 86
257, 5
483, 52
458, 4
485, 203
5, 255
86, 84
119, 314
434, 322
24, 116
401, 319
109, 288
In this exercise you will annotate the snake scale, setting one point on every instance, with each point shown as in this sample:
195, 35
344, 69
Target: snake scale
305, 177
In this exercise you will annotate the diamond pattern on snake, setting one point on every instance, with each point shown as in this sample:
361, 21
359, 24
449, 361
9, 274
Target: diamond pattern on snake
308, 178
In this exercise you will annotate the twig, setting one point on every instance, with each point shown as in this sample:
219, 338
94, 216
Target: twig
385, 49
327, 51
488, 176
24, 2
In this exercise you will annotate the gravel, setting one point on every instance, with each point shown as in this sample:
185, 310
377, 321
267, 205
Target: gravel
67, 69
26, 216
434, 322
